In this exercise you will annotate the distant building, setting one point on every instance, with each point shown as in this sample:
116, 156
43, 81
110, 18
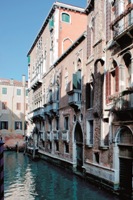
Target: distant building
13, 108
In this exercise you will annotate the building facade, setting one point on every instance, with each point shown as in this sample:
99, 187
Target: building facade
13, 109
80, 90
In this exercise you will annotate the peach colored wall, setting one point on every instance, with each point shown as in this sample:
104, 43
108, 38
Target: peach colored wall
72, 30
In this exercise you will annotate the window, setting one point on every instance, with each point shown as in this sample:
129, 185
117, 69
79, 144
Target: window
56, 146
4, 125
66, 123
50, 125
26, 93
18, 106
89, 136
50, 95
19, 92
57, 123
4, 90
89, 95
51, 23
57, 93
96, 157
4, 105
77, 80
65, 17
18, 125
66, 147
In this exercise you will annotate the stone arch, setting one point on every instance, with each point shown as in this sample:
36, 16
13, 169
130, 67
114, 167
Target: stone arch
99, 66
78, 136
67, 42
78, 146
124, 135
123, 158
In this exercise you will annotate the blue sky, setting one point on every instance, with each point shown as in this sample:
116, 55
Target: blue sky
20, 21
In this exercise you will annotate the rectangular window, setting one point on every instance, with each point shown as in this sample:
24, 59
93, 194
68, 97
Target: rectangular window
50, 125
26, 93
56, 146
51, 23
66, 146
89, 131
4, 105
65, 17
4, 125
57, 123
77, 80
66, 123
4, 90
50, 95
18, 92
18, 106
18, 125
89, 95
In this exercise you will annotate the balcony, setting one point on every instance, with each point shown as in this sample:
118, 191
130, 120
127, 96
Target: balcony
122, 27
54, 107
49, 135
75, 99
37, 80
65, 135
123, 105
55, 134
47, 108
38, 113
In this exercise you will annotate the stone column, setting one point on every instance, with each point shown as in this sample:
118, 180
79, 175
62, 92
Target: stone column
121, 78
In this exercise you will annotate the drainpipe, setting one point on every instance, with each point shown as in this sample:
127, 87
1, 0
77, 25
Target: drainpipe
1, 169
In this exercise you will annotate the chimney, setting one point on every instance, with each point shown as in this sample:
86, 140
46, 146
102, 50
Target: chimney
11, 81
23, 80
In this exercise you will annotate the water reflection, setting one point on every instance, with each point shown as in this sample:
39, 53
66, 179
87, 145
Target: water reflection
25, 179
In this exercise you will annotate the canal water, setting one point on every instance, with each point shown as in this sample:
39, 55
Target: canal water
25, 179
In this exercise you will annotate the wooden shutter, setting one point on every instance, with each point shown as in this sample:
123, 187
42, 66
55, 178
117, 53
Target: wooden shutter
87, 95
117, 79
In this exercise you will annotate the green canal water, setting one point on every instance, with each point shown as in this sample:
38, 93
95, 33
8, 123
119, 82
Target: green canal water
25, 179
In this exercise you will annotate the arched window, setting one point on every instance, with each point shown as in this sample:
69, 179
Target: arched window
65, 17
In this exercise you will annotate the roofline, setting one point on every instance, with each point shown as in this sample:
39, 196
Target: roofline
55, 5
89, 7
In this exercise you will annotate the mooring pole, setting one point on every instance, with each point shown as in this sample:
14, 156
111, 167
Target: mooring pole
1, 169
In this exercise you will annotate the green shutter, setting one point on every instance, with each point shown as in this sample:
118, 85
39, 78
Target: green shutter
75, 85
65, 17
79, 80
28, 59
51, 23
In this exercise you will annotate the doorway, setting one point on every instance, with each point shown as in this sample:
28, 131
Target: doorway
79, 146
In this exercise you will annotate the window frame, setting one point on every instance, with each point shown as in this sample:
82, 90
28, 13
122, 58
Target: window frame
4, 90
19, 126
63, 17
4, 124
18, 92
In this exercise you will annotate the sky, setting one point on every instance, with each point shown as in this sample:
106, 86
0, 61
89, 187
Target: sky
20, 22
